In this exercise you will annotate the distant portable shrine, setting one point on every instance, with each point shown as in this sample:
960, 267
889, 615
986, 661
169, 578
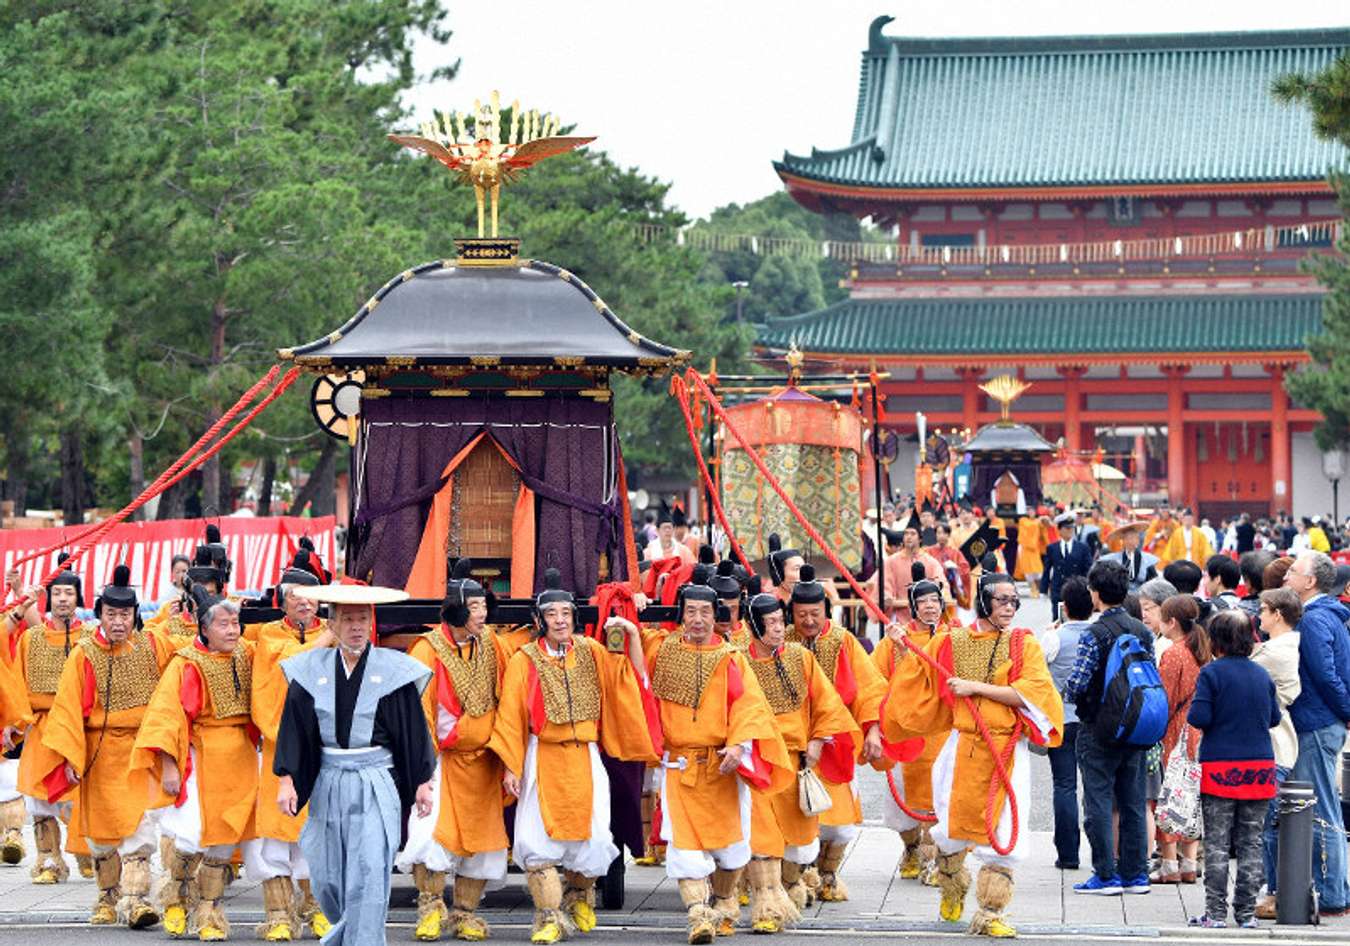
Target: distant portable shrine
1119, 219
475, 395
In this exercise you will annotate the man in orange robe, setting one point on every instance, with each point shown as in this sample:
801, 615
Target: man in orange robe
564, 698
999, 670
1031, 542
1188, 542
465, 836
100, 701
862, 688
810, 715
1159, 534
721, 743
915, 785
15, 716
35, 649
198, 736
277, 855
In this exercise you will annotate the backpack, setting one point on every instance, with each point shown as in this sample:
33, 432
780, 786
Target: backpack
1133, 711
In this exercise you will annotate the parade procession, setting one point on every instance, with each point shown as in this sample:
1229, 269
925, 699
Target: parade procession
603, 608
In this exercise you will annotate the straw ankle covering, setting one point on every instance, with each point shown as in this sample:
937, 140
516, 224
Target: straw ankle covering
993, 893
209, 918
726, 904
546, 891
49, 866
832, 888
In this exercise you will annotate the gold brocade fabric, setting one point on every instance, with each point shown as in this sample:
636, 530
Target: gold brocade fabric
175, 626
976, 658
825, 646
785, 689
570, 696
134, 673
681, 672
219, 676
46, 660
475, 678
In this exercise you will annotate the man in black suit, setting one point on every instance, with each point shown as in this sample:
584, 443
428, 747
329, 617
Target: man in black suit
1065, 558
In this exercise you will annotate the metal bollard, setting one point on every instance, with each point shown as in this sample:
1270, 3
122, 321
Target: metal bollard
1294, 900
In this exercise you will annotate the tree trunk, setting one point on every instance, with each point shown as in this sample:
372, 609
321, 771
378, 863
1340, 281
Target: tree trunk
269, 479
318, 489
136, 471
171, 501
72, 476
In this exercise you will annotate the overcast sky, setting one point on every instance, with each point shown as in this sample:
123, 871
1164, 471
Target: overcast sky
706, 94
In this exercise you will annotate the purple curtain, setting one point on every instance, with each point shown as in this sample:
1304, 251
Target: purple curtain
987, 472
564, 446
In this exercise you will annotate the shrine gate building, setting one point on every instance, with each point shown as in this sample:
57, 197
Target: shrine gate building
1117, 219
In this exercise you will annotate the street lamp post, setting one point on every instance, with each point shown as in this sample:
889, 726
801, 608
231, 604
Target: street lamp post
1333, 468
740, 286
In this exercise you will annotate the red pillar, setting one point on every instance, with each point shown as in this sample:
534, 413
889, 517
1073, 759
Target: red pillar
970, 395
1176, 435
1140, 463
1073, 406
1281, 470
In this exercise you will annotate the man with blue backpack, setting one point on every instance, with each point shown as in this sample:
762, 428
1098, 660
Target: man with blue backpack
1122, 710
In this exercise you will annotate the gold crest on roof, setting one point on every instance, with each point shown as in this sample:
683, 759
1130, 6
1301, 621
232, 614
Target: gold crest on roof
483, 153
1005, 389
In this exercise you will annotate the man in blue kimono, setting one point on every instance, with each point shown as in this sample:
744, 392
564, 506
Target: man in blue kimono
353, 743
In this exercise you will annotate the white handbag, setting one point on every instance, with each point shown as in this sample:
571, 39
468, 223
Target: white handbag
1178, 810
812, 796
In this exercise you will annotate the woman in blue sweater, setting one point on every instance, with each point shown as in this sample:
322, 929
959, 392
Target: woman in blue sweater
1235, 707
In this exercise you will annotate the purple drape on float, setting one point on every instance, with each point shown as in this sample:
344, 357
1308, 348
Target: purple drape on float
564, 446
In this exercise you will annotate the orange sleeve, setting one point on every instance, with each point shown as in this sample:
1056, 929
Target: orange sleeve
914, 705
165, 725
1037, 689
63, 734
511, 729
630, 727
829, 715
749, 719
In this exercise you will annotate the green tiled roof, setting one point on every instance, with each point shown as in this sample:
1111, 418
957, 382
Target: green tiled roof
1080, 325
1056, 111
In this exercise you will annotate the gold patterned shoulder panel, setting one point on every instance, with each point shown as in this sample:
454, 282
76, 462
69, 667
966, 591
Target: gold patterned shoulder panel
571, 694
682, 672
783, 679
127, 680
978, 658
475, 676
230, 683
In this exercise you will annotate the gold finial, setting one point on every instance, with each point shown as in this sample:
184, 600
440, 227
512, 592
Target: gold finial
794, 359
1005, 389
490, 155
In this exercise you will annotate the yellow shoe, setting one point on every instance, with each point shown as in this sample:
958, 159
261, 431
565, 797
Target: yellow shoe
12, 852
46, 877
726, 927
85, 864
319, 924
105, 914
211, 934
175, 921
474, 931
429, 927
909, 866
583, 915
743, 898
550, 932
646, 860
276, 933
950, 909
141, 916
702, 934
766, 926
1000, 929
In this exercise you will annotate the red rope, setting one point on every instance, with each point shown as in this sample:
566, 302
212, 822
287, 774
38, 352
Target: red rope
1000, 768
681, 392
154, 489
90, 537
